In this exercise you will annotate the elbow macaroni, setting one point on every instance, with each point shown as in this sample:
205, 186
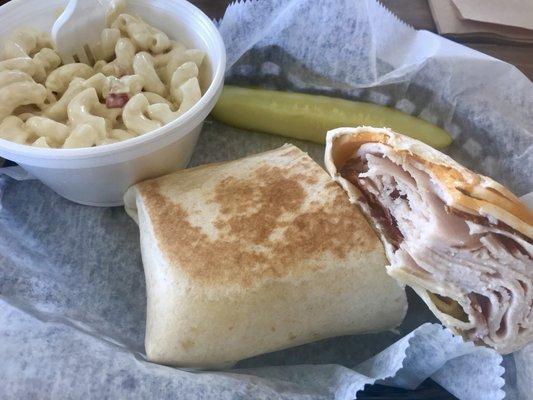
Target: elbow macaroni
123, 63
144, 36
54, 132
105, 50
134, 115
141, 81
12, 128
18, 94
60, 78
143, 65
81, 110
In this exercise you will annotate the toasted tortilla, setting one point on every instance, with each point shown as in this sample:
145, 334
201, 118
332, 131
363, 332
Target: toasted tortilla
256, 255
461, 240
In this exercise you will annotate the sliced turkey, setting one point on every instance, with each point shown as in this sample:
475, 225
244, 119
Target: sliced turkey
462, 241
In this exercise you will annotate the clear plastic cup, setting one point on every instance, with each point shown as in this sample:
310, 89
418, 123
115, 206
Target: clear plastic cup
99, 176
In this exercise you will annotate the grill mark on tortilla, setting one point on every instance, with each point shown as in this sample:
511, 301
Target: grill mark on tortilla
330, 226
252, 208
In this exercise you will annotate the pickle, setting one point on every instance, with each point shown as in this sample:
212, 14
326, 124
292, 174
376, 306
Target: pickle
309, 117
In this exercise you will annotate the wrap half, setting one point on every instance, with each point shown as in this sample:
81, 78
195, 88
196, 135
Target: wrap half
462, 241
256, 255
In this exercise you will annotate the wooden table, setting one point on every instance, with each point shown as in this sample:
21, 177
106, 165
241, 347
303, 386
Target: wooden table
416, 13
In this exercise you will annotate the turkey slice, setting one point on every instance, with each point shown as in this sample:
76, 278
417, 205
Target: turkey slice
462, 241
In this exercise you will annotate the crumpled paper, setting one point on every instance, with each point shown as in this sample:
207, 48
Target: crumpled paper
72, 292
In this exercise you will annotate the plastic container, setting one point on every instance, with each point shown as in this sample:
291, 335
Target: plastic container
100, 175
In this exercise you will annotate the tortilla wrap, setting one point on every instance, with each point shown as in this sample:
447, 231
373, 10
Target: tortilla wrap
256, 255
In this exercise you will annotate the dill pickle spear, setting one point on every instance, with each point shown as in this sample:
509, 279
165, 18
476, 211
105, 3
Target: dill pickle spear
309, 117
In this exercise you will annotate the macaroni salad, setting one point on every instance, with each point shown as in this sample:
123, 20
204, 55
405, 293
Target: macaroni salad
140, 81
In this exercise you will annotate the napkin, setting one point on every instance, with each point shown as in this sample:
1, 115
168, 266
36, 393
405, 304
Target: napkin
518, 13
508, 21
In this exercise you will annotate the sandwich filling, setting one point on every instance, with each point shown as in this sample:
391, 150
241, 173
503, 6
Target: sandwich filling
474, 272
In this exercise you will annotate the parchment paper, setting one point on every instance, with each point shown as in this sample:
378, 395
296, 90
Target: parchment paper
72, 294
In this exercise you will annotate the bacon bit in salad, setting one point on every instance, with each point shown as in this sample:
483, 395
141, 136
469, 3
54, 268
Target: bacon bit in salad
116, 100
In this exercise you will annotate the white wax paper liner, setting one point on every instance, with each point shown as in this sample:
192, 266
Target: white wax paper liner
467, 371
97, 368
